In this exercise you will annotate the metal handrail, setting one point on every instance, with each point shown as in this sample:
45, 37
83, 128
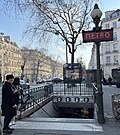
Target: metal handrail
95, 91
77, 89
41, 94
38, 94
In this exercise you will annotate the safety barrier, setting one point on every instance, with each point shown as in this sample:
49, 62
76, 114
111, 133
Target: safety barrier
35, 98
70, 89
30, 98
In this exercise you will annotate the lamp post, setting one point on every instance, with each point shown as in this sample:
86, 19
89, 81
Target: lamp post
96, 15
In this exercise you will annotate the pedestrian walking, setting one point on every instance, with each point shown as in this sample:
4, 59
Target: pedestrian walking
104, 81
8, 104
110, 80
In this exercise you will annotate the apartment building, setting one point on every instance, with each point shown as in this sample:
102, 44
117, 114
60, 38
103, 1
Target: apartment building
109, 51
10, 57
39, 66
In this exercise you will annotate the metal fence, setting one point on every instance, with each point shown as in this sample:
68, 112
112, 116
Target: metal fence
73, 89
31, 97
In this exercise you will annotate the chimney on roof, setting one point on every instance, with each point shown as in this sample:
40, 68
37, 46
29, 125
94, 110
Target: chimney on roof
7, 38
108, 13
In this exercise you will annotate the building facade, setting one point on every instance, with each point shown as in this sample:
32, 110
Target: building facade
39, 66
109, 51
10, 57
93, 62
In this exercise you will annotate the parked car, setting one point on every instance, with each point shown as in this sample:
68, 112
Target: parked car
40, 81
56, 80
24, 85
107, 83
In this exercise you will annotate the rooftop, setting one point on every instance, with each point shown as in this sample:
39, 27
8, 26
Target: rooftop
110, 15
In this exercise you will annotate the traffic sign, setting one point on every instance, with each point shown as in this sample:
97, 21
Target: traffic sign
98, 36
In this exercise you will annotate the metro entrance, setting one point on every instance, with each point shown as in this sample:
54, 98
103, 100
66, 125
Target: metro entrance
75, 98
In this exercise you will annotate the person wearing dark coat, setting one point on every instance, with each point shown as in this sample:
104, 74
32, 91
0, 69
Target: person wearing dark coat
8, 104
15, 88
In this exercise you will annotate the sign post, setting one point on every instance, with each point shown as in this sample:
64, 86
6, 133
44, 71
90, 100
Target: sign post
98, 35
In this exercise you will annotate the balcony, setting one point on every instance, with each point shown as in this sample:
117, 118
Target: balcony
116, 63
108, 64
107, 52
115, 51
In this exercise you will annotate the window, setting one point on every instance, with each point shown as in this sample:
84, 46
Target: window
110, 16
107, 59
118, 13
115, 47
115, 36
114, 24
116, 59
107, 26
107, 48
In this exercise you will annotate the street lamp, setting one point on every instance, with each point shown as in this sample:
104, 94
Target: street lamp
96, 15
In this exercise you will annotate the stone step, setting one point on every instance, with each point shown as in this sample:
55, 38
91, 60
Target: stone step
59, 126
61, 120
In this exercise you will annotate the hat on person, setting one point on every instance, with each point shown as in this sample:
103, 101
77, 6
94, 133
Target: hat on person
10, 76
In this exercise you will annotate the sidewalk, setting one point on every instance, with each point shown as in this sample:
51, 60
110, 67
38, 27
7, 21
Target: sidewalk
111, 127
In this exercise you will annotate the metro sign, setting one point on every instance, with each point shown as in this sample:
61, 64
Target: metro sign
97, 36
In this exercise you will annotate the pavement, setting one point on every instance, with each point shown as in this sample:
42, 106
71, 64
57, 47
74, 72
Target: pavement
36, 125
111, 127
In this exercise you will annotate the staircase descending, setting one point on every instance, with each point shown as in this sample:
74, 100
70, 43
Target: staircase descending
58, 126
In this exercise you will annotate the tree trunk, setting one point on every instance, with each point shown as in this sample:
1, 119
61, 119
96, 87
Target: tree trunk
72, 54
53, 70
38, 64
22, 74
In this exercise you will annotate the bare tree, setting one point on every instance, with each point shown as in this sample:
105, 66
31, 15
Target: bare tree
54, 64
66, 18
40, 58
25, 56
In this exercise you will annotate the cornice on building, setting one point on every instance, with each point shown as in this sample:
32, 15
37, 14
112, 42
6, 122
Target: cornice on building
111, 15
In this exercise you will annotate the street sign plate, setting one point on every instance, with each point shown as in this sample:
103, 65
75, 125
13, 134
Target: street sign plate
97, 36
